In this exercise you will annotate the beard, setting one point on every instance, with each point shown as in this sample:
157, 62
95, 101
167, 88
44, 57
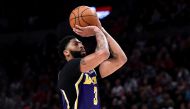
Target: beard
77, 54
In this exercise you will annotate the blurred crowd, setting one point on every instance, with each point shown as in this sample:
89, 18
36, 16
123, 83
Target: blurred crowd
28, 76
156, 76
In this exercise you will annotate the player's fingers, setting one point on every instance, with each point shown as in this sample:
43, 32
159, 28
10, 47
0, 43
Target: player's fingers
79, 27
77, 30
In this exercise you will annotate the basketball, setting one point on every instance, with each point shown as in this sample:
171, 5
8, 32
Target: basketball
83, 16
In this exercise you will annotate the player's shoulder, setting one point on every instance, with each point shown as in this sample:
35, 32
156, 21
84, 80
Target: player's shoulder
71, 64
73, 61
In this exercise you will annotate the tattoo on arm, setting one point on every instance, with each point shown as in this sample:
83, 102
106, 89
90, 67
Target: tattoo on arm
101, 42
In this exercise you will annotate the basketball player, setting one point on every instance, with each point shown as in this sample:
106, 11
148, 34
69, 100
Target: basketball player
77, 80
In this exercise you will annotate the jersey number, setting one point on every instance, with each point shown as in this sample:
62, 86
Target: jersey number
89, 80
95, 95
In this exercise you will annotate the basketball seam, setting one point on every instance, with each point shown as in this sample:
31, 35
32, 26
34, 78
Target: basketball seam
79, 17
84, 10
81, 14
74, 18
85, 21
84, 16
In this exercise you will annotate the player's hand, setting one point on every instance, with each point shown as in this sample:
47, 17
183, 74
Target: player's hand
86, 31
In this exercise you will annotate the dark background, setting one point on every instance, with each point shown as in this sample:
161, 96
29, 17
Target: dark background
154, 34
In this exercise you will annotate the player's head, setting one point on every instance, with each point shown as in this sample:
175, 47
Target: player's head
70, 47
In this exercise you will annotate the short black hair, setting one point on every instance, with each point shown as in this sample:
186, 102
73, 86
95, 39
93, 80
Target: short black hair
63, 43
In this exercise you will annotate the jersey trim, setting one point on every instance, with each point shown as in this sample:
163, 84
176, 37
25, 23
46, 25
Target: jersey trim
65, 96
77, 90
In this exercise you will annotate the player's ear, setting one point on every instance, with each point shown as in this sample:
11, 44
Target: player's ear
66, 52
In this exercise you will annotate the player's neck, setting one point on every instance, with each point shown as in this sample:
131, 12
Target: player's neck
69, 58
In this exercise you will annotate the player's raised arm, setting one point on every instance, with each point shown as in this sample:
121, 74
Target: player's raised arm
91, 61
118, 60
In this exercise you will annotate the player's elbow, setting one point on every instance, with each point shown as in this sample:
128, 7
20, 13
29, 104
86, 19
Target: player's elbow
123, 59
104, 54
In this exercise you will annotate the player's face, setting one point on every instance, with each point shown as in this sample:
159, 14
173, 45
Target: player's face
76, 48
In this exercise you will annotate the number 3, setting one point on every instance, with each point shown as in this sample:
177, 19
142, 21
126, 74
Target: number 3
95, 95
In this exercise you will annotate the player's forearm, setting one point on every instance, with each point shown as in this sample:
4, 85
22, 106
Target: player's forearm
91, 61
102, 43
114, 47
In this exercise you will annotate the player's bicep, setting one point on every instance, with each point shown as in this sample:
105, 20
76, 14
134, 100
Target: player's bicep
109, 66
93, 60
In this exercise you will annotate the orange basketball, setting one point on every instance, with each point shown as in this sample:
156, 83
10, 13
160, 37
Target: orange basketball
83, 16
